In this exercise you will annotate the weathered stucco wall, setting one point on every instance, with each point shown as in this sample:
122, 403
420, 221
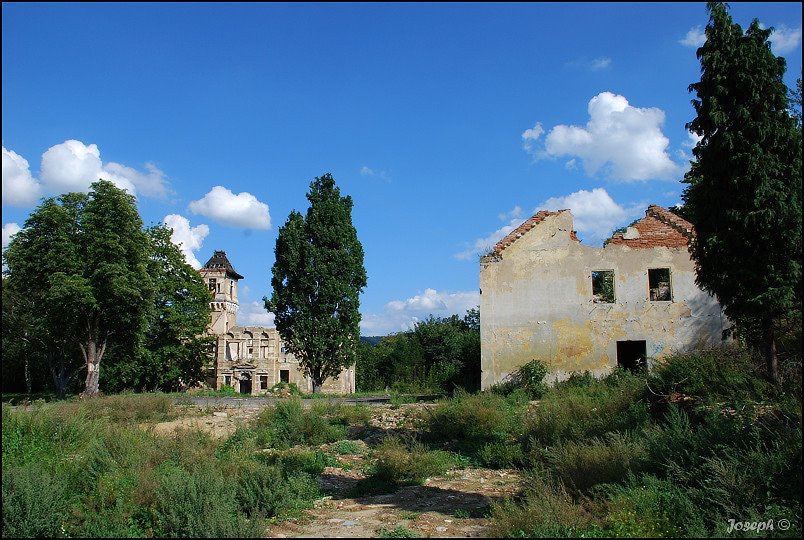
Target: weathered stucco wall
536, 303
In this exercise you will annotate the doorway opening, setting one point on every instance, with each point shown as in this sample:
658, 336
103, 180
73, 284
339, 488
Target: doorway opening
284, 375
245, 383
632, 355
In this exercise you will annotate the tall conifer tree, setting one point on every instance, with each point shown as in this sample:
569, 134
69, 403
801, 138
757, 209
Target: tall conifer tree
317, 279
744, 187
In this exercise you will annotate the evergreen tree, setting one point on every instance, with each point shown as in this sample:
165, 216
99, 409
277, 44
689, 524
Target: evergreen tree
744, 187
317, 279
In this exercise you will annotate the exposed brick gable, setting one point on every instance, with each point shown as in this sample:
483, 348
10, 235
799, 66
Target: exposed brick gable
659, 228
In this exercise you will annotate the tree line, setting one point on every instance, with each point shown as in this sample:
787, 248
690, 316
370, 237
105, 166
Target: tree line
89, 291
437, 355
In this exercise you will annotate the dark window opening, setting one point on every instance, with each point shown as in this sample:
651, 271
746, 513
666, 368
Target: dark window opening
659, 284
227, 380
632, 355
212, 285
603, 286
263, 382
284, 375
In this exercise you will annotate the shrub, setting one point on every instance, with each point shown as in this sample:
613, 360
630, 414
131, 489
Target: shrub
347, 447
715, 374
546, 510
475, 418
35, 503
201, 504
583, 464
288, 424
298, 461
651, 508
397, 464
583, 406
266, 491
501, 455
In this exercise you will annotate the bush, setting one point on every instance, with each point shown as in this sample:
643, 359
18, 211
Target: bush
583, 407
35, 503
473, 418
201, 504
397, 464
584, 464
546, 510
715, 374
288, 424
651, 508
267, 491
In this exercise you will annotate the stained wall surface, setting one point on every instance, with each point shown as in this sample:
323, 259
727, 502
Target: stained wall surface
537, 302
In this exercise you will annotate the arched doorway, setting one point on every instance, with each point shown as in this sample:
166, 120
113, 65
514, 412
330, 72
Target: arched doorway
245, 383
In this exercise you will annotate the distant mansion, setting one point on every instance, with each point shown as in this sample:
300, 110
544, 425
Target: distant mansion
546, 296
251, 359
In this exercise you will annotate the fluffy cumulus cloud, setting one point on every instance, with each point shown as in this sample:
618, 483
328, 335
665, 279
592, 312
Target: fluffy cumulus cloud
242, 210
74, 166
623, 142
595, 213
19, 186
785, 39
189, 239
9, 230
401, 315
695, 37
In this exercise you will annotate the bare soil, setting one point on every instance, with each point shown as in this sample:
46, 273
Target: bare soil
454, 505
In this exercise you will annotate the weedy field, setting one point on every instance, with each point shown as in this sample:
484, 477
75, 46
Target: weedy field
700, 443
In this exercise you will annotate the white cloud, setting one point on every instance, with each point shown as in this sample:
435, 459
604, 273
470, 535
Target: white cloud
624, 142
19, 186
9, 230
599, 64
188, 239
595, 213
400, 315
150, 184
242, 210
785, 39
254, 314
531, 135
74, 166
375, 173
696, 37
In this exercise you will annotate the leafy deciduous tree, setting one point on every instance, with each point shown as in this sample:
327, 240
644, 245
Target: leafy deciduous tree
317, 279
744, 187
176, 346
81, 260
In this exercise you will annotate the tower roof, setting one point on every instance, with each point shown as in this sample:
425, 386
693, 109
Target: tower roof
218, 261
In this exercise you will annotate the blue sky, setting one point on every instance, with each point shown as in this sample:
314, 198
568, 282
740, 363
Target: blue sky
448, 124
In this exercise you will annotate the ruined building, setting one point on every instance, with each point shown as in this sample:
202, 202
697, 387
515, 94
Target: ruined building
581, 308
251, 359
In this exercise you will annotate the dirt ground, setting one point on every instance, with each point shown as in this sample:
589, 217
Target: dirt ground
455, 505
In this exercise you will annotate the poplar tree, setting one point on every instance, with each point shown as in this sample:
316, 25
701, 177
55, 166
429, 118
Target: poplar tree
744, 186
317, 279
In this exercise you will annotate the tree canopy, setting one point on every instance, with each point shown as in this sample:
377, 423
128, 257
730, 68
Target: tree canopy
317, 279
744, 185
85, 282
176, 346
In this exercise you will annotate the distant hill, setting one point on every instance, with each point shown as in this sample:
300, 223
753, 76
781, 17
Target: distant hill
371, 340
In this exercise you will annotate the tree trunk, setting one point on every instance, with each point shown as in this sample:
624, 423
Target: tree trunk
58, 372
93, 353
769, 348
